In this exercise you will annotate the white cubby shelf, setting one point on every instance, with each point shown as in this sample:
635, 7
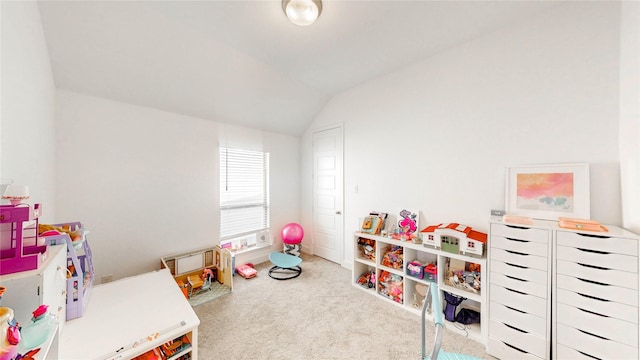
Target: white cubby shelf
369, 256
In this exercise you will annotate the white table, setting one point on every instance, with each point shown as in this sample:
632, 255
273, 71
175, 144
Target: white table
129, 317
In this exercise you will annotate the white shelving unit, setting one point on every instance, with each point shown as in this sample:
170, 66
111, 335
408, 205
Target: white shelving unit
26, 290
411, 300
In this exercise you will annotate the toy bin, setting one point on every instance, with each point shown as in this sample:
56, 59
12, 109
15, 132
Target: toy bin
431, 272
391, 286
415, 269
367, 249
393, 257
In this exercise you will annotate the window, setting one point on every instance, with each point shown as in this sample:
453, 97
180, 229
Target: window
244, 198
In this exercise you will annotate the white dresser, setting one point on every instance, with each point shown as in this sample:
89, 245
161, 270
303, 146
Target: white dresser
557, 293
520, 291
26, 290
596, 294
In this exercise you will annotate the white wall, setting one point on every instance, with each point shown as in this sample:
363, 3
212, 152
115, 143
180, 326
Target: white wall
630, 114
437, 136
27, 148
145, 182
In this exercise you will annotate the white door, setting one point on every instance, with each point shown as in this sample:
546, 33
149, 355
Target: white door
328, 222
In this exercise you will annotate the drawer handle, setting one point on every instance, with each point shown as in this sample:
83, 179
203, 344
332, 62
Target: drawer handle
514, 309
517, 227
594, 251
593, 266
516, 291
517, 253
515, 328
594, 335
594, 313
515, 278
593, 282
593, 297
587, 355
518, 240
518, 266
515, 348
594, 236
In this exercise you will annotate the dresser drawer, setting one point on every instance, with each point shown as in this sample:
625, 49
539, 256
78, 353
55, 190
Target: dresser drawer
526, 342
533, 275
521, 246
594, 346
520, 232
523, 286
520, 259
607, 292
522, 320
524, 302
607, 260
503, 350
598, 325
598, 242
564, 352
598, 305
598, 275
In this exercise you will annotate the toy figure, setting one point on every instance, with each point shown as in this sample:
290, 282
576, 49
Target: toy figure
408, 224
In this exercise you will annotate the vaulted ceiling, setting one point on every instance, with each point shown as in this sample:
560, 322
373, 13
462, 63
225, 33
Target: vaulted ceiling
243, 62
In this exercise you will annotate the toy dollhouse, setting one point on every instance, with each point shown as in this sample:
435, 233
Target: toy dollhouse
20, 249
454, 238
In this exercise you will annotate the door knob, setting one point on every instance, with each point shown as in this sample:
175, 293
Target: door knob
338, 212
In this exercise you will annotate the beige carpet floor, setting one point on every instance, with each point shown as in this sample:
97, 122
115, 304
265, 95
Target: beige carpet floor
318, 315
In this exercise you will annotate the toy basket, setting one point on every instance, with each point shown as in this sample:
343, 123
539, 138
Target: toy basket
431, 272
415, 269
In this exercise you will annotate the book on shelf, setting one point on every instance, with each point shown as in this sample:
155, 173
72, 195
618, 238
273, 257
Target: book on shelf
372, 224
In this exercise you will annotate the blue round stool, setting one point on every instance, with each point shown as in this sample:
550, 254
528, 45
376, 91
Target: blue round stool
285, 266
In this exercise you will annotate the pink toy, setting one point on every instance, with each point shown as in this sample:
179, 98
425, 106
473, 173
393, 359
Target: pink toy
20, 251
246, 271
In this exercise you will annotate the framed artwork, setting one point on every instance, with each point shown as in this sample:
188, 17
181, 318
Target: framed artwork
548, 191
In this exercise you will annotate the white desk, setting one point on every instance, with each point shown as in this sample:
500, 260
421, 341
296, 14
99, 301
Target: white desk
129, 317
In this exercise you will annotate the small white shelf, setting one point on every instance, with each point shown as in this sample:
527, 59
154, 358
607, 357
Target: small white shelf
412, 251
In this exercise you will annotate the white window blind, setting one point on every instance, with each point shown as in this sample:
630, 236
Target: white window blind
244, 192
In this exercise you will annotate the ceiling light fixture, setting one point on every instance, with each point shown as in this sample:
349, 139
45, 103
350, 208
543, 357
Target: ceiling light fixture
302, 12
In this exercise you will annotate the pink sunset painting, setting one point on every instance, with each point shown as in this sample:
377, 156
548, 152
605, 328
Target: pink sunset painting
546, 191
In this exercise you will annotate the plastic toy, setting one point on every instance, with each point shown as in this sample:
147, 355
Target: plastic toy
455, 238
207, 276
246, 271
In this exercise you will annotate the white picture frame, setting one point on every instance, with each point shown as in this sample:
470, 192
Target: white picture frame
548, 191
